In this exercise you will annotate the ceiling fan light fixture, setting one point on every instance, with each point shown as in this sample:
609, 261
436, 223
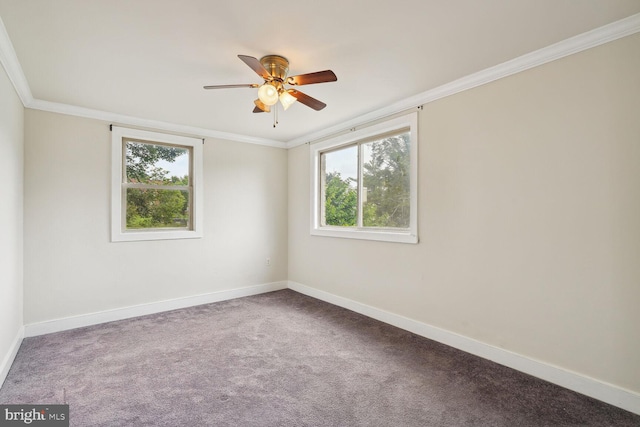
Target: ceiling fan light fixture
274, 71
262, 106
268, 94
286, 99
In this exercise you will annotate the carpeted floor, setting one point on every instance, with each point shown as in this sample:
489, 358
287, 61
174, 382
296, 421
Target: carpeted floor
281, 359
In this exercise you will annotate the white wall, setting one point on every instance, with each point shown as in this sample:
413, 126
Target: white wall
72, 268
529, 219
11, 240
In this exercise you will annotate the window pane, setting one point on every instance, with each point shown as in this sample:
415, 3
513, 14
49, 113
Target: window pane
385, 175
151, 208
340, 178
157, 164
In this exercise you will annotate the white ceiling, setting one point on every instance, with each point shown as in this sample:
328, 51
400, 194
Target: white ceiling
149, 59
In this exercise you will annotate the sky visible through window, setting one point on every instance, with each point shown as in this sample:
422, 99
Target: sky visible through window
345, 162
179, 168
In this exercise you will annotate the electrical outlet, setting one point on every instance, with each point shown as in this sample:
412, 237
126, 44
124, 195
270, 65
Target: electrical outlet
268, 262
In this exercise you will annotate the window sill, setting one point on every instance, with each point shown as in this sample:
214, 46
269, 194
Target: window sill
367, 234
154, 234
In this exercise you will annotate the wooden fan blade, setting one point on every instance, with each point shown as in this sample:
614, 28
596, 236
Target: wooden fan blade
257, 110
256, 66
312, 78
307, 100
253, 85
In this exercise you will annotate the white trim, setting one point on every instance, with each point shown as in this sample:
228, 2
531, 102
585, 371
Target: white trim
11, 355
607, 33
66, 323
54, 107
388, 235
11, 64
579, 43
9, 61
609, 393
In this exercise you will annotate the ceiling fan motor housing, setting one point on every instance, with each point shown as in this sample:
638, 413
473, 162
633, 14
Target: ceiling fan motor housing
277, 66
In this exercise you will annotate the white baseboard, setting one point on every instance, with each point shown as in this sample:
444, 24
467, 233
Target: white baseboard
89, 319
11, 355
609, 393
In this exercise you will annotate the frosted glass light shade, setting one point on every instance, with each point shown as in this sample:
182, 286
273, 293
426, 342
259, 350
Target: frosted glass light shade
261, 106
286, 99
268, 94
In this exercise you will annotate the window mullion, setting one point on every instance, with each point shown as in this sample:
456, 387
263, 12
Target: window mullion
322, 190
360, 188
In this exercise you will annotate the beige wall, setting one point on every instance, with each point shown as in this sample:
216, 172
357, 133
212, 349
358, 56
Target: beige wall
528, 216
529, 219
11, 243
72, 268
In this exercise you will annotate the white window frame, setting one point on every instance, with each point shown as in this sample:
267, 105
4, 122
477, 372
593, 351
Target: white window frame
119, 233
409, 235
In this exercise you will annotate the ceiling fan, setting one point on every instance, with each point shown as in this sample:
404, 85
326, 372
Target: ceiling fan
273, 69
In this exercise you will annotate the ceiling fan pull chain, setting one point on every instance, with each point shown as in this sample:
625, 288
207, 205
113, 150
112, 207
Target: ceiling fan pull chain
275, 115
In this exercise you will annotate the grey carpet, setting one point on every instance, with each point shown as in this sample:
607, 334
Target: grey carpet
281, 359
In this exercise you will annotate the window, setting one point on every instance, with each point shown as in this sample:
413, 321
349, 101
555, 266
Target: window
364, 183
156, 186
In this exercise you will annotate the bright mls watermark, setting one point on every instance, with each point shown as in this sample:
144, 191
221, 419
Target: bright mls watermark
35, 415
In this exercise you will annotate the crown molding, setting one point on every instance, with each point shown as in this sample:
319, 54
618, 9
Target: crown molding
9, 61
121, 119
579, 43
